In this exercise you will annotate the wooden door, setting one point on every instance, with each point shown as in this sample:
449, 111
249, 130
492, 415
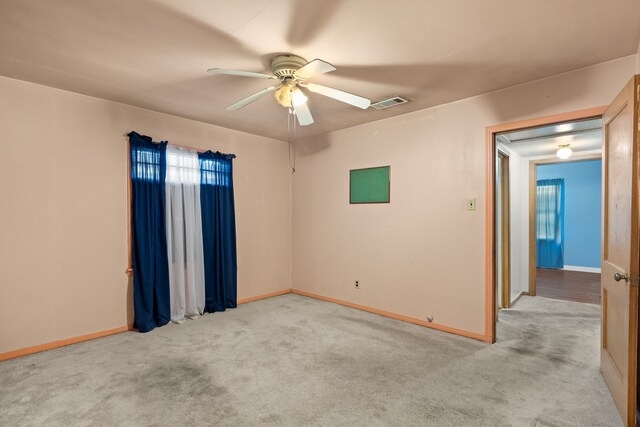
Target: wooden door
620, 264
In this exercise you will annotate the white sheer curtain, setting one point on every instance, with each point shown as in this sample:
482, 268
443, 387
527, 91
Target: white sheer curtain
184, 234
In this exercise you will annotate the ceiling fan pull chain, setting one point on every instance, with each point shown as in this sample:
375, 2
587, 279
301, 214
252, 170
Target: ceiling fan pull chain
293, 147
291, 141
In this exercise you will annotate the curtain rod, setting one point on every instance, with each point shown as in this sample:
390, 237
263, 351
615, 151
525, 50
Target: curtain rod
200, 150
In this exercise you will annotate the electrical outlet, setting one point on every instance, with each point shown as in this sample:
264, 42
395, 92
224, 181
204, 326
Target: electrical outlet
357, 284
471, 204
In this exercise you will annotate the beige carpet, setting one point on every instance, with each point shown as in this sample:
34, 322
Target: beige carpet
294, 361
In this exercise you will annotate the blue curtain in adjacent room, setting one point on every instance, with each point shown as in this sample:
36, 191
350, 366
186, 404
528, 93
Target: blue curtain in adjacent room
218, 231
149, 241
550, 223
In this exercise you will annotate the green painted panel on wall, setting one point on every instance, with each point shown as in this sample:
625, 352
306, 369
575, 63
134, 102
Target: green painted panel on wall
370, 185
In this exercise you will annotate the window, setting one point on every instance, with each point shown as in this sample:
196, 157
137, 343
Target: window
182, 166
549, 209
546, 211
145, 164
215, 172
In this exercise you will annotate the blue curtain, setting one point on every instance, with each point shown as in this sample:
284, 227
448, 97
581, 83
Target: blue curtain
149, 245
218, 231
550, 223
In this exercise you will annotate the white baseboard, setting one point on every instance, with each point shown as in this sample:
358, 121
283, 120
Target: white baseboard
518, 296
584, 269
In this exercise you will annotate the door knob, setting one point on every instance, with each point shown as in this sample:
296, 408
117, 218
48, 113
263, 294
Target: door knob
617, 277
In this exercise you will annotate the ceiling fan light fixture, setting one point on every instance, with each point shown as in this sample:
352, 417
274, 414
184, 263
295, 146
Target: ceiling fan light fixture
564, 152
283, 96
289, 95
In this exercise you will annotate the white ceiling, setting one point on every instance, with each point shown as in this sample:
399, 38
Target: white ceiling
544, 141
154, 53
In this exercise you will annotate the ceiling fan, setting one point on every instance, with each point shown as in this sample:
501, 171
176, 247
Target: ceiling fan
292, 72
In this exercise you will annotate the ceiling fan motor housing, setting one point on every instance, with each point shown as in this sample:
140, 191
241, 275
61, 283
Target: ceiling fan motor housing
284, 66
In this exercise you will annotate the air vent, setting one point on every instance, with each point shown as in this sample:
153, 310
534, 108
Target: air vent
391, 102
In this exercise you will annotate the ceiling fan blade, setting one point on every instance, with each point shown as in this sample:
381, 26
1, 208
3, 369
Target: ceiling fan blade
240, 73
249, 99
349, 98
314, 68
303, 114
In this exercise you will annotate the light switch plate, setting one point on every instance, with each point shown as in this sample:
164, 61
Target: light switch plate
471, 204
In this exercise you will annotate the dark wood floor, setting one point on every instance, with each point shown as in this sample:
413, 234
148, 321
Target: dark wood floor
568, 285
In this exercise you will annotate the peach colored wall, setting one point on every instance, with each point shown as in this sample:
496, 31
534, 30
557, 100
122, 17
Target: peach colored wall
422, 254
63, 215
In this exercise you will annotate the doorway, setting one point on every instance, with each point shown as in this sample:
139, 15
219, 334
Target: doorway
548, 221
522, 280
548, 188
568, 239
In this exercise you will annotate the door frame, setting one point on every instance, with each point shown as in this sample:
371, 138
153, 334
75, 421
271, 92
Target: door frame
490, 208
533, 172
505, 230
